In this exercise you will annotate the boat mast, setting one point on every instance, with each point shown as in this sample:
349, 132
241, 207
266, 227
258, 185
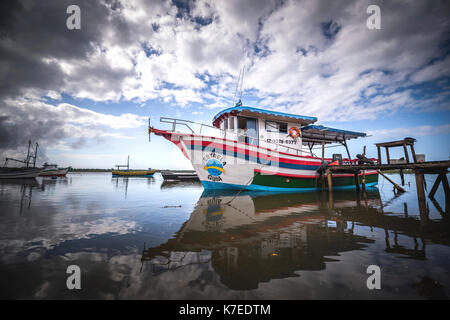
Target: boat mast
28, 153
35, 155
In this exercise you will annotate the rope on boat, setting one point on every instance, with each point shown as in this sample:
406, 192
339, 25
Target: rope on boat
243, 187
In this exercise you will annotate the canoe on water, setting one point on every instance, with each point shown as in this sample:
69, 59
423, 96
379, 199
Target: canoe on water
133, 173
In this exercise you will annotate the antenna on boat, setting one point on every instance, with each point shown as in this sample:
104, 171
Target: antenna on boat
239, 86
242, 82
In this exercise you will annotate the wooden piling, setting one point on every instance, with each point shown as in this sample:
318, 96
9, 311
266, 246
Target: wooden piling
364, 174
357, 182
402, 177
363, 183
413, 153
421, 197
379, 154
323, 158
330, 180
420, 186
387, 155
406, 153
330, 188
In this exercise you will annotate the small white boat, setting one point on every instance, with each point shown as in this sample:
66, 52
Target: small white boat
52, 170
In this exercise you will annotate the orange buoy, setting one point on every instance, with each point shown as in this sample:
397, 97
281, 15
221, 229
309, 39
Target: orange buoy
294, 132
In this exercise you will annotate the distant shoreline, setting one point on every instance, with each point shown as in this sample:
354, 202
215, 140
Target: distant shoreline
110, 170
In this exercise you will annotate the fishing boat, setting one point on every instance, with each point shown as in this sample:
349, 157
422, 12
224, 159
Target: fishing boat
131, 173
27, 171
264, 150
19, 173
179, 175
52, 170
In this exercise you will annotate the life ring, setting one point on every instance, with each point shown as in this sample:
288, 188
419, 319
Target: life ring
294, 132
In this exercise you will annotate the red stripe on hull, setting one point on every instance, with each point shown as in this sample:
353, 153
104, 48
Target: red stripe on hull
251, 153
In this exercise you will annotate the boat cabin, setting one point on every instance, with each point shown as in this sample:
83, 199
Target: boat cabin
281, 131
49, 166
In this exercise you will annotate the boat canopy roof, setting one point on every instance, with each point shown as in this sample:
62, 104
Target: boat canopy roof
262, 114
319, 134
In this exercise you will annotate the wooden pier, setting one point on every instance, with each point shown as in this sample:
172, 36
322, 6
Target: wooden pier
420, 168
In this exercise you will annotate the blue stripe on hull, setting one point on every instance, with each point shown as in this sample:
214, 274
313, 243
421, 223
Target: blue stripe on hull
211, 185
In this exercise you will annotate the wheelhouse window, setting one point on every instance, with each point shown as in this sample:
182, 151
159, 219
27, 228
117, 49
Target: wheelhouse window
225, 124
231, 123
272, 126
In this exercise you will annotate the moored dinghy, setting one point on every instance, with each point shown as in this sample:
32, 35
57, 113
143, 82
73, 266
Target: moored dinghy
179, 175
264, 150
131, 173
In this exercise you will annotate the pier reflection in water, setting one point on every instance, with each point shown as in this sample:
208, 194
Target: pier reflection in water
145, 238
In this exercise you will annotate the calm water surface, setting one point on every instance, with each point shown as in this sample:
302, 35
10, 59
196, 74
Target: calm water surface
148, 239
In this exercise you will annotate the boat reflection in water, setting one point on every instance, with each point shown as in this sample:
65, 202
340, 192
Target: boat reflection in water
171, 241
253, 238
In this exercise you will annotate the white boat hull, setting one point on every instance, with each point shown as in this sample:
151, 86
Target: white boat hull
54, 173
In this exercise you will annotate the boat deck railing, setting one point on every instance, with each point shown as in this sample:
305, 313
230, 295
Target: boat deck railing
232, 134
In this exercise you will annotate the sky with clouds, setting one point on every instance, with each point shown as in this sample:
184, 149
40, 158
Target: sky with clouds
85, 95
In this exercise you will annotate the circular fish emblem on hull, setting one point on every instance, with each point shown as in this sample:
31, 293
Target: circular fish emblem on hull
214, 167
214, 213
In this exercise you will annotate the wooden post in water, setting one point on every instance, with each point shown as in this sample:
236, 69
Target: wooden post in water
446, 191
364, 174
387, 155
421, 197
402, 177
330, 188
323, 158
413, 153
357, 181
379, 154
406, 153
420, 187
